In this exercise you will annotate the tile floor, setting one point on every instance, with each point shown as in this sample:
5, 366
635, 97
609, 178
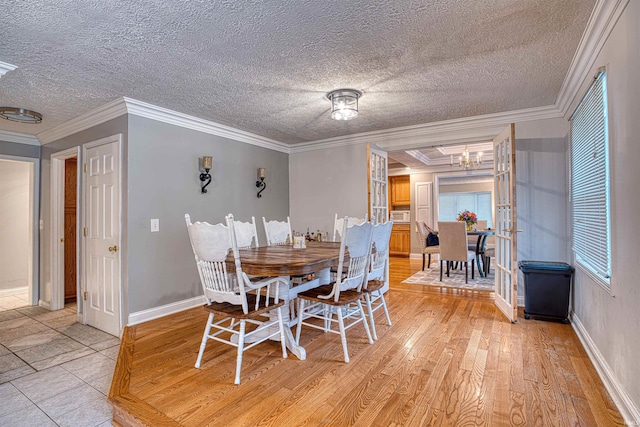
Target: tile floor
53, 370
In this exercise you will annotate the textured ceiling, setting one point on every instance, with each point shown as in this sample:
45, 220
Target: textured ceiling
265, 66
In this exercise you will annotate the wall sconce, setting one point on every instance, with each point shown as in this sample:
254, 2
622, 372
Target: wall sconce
262, 174
207, 162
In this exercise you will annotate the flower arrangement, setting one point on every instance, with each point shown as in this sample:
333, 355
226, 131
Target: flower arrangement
469, 217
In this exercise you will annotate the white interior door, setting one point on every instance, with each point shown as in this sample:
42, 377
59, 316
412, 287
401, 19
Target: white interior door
506, 283
423, 203
378, 182
102, 234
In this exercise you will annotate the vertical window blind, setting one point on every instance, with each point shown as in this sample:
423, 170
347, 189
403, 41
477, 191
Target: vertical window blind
590, 180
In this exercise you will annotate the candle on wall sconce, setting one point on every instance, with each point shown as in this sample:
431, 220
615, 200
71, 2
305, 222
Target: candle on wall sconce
262, 174
207, 163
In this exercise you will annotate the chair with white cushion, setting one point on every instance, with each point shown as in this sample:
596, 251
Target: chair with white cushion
423, 236
453, 246
376, 279
278, 232
338, 225
231, 296
344, 296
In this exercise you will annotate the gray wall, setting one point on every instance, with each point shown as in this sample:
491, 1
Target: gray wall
612, 321
325, 182
164, 183
112, 127
19, 150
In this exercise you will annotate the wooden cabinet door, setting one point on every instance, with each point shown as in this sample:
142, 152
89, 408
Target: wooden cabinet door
70, 197
400, 241
400, 190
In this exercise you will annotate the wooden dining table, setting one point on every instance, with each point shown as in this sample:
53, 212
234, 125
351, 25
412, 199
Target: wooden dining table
307, 268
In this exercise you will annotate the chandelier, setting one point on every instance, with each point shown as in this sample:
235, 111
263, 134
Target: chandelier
466, 162
344, 103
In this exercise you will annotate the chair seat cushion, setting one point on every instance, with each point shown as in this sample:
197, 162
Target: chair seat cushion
235, 311
346, 297
431, 250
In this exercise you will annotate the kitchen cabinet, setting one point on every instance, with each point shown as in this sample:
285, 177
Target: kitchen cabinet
400, 190
400, 241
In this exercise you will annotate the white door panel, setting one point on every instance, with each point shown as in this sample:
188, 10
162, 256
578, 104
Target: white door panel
423, 203
103, 236
506, 286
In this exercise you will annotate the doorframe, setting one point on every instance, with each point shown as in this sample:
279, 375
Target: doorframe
117, 138
57, 226
437, 176
33, 274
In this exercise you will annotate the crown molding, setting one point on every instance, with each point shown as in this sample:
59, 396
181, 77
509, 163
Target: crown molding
18, 138
5, 68
109, 111
468, 129
143, 109
604, 17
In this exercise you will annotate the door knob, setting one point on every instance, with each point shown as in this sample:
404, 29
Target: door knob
62, 240
113, 248
509, 230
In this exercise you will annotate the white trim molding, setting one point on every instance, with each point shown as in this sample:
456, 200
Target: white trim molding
463, 130
87, 120
18, 138
5, 68
603, 18
165, 310
627, 408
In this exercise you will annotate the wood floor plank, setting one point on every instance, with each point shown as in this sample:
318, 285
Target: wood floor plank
450, 358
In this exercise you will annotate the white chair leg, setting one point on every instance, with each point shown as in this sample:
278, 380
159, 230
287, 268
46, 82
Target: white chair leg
328, 315
205, 336
300, 315
364, 322
343, 335
281, 324
384, 307
367, 298
243, 324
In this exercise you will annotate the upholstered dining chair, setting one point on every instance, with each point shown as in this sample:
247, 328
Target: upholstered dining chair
453, 247
338, 225
278, 232
423, 234
232, 296
377, 276
344, 296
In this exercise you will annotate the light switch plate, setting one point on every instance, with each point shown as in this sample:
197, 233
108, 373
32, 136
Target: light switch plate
155, 225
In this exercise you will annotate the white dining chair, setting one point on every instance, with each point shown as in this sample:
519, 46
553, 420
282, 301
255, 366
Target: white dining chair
344, 296
232, 296
453, 247
246, 234
338, 224
278, 232
377, 275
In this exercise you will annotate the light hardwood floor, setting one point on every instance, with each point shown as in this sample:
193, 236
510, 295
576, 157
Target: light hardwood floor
449, 359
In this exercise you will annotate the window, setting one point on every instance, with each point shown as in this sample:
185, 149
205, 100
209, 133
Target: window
590, 181
450, 204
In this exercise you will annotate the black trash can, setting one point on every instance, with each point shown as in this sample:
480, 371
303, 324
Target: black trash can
546, 287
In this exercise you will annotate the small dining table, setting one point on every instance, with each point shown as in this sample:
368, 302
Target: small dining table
481, 246
310, 266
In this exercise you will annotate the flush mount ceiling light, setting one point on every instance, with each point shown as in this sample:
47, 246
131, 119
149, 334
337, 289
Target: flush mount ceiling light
20, 115
344, 103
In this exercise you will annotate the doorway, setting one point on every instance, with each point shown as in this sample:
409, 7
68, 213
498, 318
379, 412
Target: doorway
18, 233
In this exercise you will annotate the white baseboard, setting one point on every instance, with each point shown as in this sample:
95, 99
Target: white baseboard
44, 304
625, 405
165, 310
14, 290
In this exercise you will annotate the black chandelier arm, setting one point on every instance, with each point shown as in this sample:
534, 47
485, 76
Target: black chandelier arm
205, 177
262, 185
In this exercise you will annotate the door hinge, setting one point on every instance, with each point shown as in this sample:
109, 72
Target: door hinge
84, 231
85, 295
85, 167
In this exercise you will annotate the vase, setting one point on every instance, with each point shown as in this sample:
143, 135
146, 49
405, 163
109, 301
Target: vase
469, 226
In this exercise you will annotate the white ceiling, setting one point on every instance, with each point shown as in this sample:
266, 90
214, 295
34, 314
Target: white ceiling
439, 158
265, 66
